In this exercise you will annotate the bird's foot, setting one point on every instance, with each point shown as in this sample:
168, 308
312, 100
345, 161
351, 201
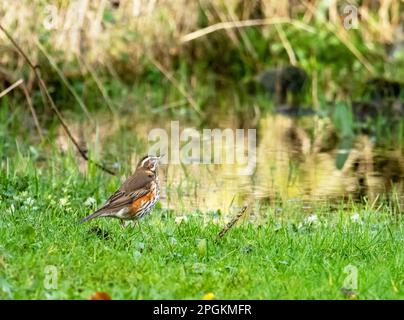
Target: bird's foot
122, 223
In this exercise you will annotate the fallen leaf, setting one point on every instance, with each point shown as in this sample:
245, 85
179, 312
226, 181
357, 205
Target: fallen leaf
99, 295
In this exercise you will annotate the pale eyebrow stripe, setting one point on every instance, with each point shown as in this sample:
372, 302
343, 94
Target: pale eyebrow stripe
143, 162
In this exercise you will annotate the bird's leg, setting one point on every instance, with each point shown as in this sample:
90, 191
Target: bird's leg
137, 222
122, 223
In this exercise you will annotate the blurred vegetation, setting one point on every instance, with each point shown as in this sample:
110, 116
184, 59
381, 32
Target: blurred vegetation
200, 61
131, 55
110, 64
293, 255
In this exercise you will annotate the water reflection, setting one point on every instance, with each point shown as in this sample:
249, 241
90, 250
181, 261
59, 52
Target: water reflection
292, 164
298, 158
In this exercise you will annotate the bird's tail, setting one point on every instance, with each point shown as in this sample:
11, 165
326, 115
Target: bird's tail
92, 216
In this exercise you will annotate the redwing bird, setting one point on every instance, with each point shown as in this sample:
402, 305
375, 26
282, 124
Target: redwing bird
137, 195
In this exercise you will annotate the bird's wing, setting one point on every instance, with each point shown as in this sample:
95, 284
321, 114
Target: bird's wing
134, 187
116, 202
122, 199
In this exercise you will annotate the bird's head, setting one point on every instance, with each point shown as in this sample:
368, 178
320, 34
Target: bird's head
149, 163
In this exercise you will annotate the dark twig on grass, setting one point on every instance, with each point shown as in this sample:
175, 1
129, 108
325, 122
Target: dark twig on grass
232, 222
45, 90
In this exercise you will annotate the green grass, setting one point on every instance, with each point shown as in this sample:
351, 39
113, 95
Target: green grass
283, 257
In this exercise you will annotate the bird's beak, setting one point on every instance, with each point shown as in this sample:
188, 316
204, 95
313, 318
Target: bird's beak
157, 160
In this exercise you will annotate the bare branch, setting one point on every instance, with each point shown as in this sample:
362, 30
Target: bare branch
31, 108
43, 87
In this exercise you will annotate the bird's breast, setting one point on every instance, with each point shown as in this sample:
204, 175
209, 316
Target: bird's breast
148, 200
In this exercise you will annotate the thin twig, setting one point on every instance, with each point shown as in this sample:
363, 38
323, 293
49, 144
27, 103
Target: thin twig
31, 108
99, 84
46, 93
314, 91
174, 81
170, 105
243, 24
82, 152
29, 101
286, 45
232, 222
10, 88
342, 36
244, 37
64, 80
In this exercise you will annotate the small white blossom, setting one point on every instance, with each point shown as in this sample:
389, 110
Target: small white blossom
29, 202
89, 202
355, 217
311, 219
63, 202
179, 219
